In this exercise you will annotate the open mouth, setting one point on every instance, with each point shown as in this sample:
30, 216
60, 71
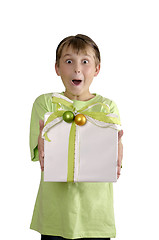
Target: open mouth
76, 82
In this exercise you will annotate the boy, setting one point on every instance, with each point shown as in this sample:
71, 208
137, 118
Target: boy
81, 209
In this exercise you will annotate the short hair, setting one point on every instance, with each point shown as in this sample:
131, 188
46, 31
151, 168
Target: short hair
78, 43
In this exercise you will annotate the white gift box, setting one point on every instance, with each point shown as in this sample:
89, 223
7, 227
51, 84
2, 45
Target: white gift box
95, 158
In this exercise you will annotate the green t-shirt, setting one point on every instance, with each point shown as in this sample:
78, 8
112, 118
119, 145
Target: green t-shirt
71, 210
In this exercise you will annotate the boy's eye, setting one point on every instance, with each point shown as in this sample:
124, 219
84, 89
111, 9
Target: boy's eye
69, 61
85, 61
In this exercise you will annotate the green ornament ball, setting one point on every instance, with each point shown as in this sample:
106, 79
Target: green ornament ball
68, 116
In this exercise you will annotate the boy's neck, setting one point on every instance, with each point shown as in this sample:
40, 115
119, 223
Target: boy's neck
83, 97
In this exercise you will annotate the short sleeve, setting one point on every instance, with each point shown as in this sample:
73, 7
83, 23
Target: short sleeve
114, 109
38, 110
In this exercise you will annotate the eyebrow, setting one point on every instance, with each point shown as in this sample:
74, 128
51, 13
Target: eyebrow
69, 55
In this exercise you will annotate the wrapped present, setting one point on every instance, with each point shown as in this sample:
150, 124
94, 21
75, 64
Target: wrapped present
80, 146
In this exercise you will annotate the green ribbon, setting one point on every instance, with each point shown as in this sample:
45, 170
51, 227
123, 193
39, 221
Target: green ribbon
100, 116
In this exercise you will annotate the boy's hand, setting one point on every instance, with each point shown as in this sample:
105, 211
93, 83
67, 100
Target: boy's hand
41, 145
120, 152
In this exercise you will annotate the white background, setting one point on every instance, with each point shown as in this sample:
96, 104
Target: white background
127, 33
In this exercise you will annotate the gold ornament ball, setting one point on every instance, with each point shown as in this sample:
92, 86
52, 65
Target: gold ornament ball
80, 119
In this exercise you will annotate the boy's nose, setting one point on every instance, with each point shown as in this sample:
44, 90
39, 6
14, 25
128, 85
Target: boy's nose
77, 69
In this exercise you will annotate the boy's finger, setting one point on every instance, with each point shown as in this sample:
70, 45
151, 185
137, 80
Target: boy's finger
119, 159
42, 154
42, 165
41, 124
120, 134
118, 172
41, 159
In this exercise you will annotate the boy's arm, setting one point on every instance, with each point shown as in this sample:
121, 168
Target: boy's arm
120, 152
114, 109
38, 110
41, 145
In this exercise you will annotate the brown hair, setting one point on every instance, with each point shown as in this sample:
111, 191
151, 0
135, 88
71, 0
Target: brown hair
79, 42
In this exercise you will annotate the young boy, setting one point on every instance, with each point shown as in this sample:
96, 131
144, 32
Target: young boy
65, 209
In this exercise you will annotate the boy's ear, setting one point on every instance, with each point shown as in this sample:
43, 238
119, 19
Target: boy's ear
57, 69
97, 70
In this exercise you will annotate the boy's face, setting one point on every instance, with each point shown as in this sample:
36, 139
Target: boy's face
77, 72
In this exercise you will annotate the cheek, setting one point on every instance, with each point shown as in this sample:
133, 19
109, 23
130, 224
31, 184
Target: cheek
65, 70
90, 71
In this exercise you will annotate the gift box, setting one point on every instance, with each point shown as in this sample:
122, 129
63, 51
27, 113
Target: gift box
80, 146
